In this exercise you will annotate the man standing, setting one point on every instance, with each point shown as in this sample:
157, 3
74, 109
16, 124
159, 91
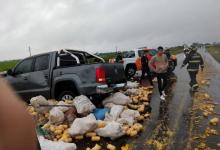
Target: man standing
194, 61
159, 64
144, 67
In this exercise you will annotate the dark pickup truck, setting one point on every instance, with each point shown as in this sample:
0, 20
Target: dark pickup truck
65, 74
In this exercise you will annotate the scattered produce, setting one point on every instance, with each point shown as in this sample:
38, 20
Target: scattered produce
214, 121
97, 147
95, 138
79, 137
65, 122
111, 147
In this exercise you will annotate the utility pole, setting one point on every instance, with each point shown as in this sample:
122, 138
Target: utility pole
29, 48
116, 48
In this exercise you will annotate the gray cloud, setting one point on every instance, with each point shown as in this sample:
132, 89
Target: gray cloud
100, 25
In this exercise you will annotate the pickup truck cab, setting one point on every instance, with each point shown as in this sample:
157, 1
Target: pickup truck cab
65, 74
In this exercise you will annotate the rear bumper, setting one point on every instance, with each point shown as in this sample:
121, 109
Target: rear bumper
104, 88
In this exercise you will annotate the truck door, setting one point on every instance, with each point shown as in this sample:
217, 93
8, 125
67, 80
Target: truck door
19, 80
39, 79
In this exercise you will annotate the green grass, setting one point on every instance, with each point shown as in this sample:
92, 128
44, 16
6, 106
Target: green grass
176, 50
5, 65
107, 56
215, 52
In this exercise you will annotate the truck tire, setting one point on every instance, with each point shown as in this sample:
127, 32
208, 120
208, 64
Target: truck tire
130, 71
66, 95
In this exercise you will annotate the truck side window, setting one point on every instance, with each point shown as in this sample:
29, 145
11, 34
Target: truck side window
24, 67
41, 63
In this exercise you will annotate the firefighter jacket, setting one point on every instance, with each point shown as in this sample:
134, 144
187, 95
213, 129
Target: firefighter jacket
194, 60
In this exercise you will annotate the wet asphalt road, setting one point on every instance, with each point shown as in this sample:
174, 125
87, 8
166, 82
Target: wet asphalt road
169, 123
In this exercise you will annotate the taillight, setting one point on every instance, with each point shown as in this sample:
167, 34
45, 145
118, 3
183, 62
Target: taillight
100, 75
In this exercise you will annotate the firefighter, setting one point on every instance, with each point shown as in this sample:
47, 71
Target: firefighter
194, 61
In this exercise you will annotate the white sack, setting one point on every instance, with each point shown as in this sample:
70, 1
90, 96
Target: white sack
112, 130
83, 104
51, 145
118, 99
115, 112
37, 101
63, 108
83, 125
131, 85
56, 116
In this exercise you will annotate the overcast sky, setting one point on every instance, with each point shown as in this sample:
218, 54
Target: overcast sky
101, 25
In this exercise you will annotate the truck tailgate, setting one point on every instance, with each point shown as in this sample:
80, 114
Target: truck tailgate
114, 73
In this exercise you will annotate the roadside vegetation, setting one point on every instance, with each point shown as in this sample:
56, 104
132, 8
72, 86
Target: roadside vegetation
214, 50
106, 56
176, 50
5, 65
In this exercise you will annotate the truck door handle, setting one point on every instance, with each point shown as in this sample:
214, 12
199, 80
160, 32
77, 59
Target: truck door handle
46, 75
25, 78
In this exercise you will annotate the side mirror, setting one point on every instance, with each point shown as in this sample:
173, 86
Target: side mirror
10, 72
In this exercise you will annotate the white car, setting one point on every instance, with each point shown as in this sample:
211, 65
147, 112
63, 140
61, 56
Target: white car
132, 60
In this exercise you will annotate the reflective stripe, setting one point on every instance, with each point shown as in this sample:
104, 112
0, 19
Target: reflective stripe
194, 61
192, 69
195, 85
196, 57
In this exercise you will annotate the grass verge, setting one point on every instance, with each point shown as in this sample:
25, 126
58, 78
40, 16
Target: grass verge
215, 52
5, 65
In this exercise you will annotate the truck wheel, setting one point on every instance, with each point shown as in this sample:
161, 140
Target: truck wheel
66, 95
130, 71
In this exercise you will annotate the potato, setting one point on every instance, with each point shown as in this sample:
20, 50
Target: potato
52, 128
138, 127
46, 126
205, 114
111, 147
140, 118
214, 121
58, 136
69, 140
101, 124
133, 133
58, 131
60, 128
147, 115
65, 126
96, 147
135, 101
141, 108
90, 134
131, 106
95, 138
34, 113
145, 98
79, 137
